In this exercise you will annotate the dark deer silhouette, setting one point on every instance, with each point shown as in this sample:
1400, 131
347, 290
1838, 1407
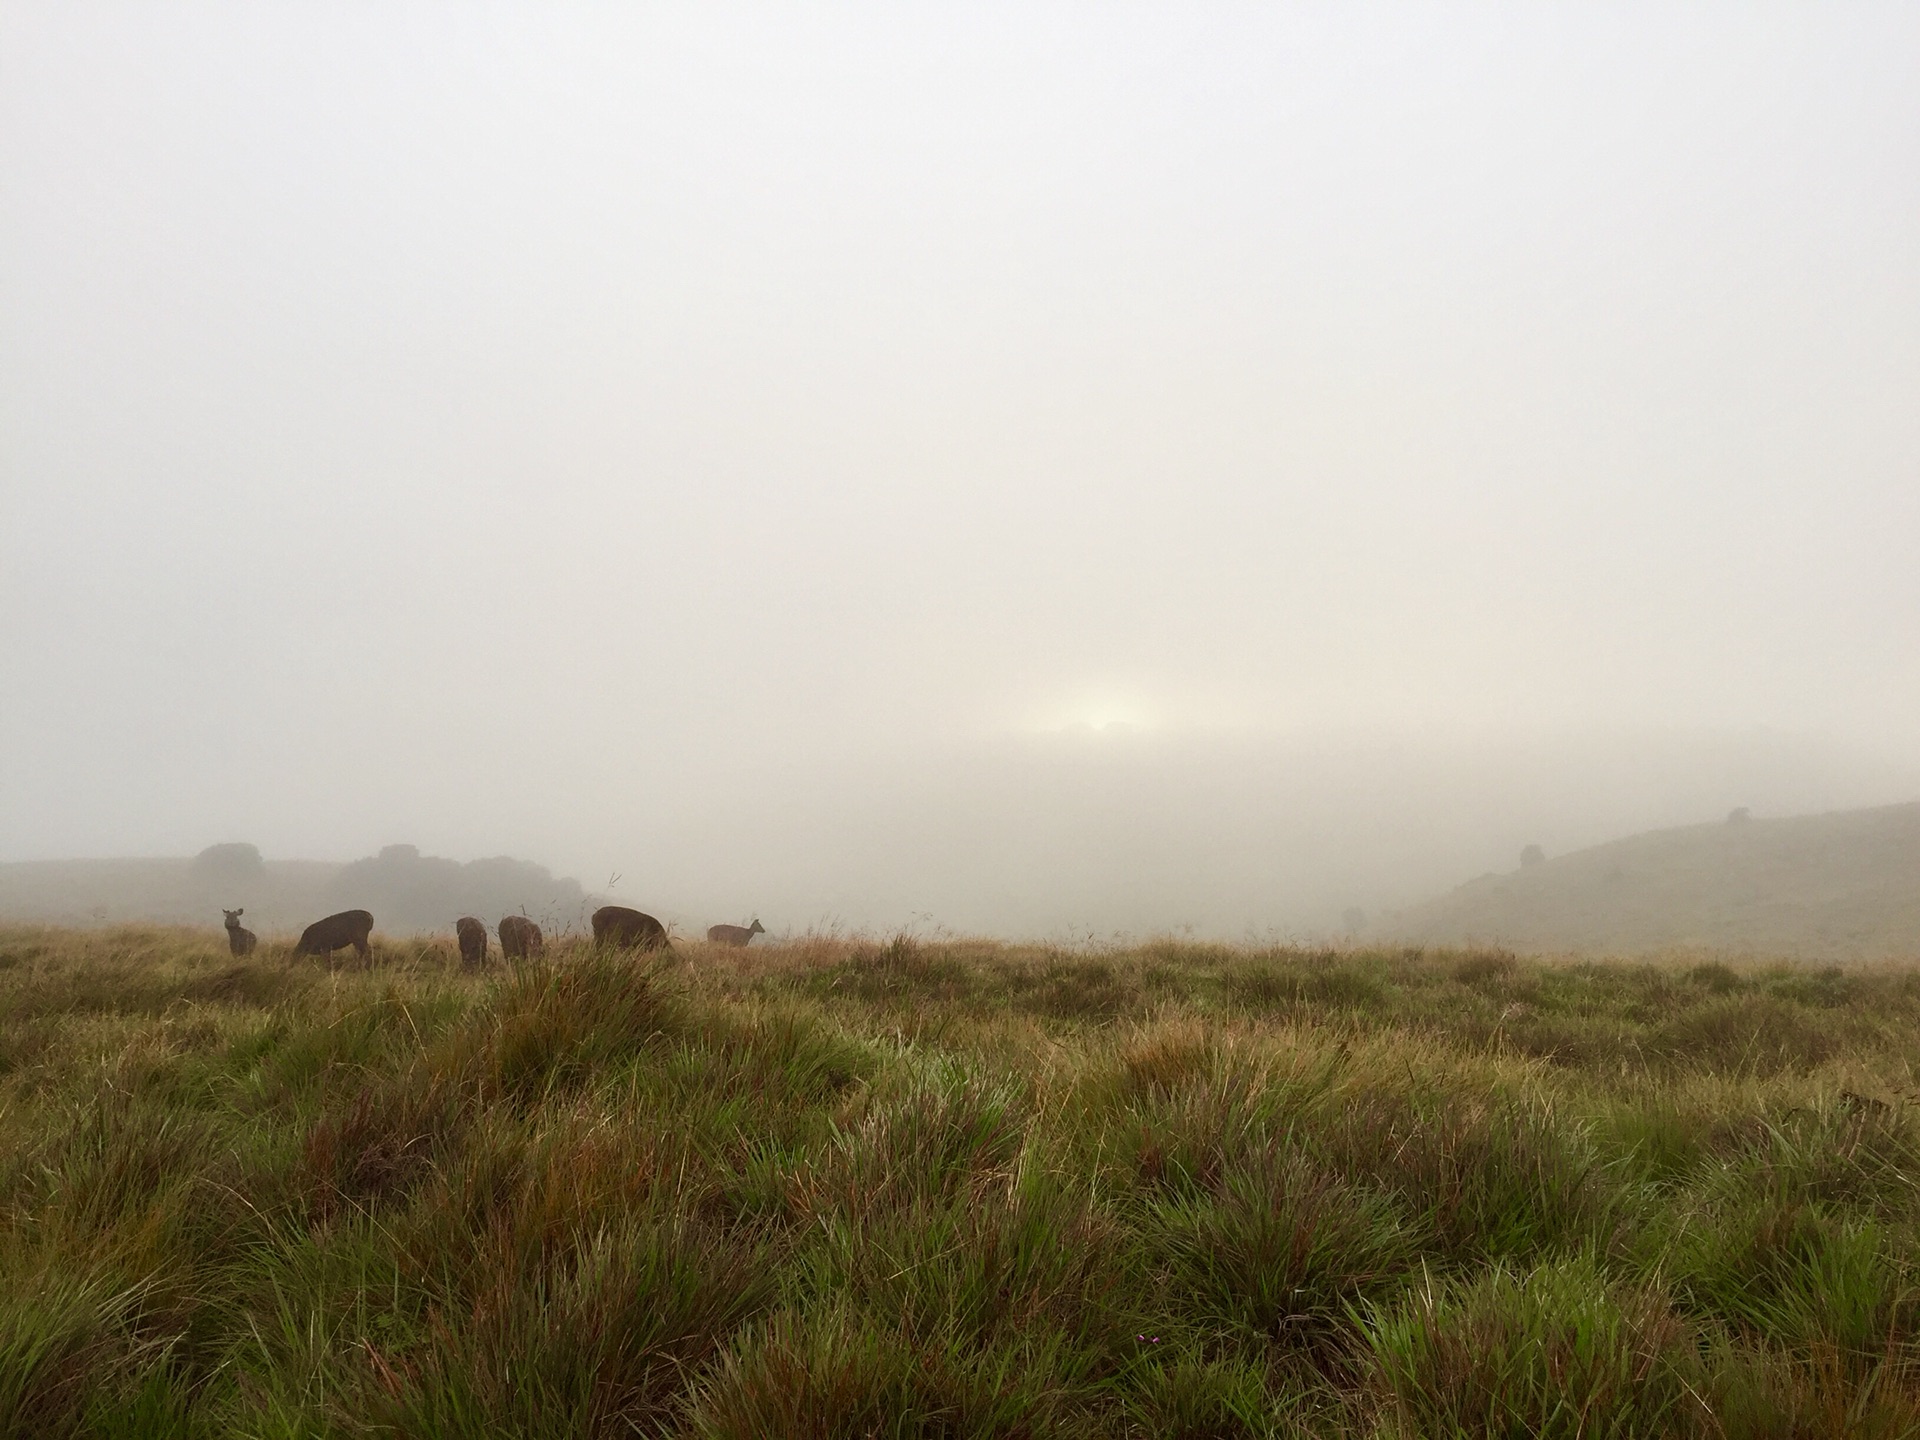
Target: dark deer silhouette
625, 929
735, 935
336, 932
520, 938
473, 941
240, 940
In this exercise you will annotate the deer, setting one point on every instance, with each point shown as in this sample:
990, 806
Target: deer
473, 941
520, 938
336, 932
240, 940
623, 929
736, 935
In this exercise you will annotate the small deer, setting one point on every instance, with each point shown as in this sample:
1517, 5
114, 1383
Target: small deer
735, 935
336, 932
473, 941
520, 939
620, 928
240, 940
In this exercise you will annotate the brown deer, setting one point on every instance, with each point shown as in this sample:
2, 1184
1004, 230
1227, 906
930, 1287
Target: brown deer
473, 941
520, 938
736, 935
240, 940
624, 929
336, 932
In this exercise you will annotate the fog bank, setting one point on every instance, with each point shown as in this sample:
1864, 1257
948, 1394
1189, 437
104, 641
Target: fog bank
699, 443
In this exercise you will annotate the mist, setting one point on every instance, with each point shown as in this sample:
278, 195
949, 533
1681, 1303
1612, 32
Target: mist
1041, 470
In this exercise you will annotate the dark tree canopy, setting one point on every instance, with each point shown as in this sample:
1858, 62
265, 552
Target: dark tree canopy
236, 860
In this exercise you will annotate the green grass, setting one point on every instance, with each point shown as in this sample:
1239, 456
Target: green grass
840, 1188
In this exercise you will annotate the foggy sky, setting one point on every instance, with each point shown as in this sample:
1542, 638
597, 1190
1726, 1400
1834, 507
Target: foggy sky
725, 445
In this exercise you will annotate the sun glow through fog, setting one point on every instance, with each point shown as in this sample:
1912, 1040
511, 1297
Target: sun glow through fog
1100, 714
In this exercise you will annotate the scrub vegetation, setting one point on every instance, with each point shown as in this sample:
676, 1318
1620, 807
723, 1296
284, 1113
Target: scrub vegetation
841, 1187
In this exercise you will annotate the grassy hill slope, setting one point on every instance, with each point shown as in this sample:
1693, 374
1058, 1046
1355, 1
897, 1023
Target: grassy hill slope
843, 1189
1843, 885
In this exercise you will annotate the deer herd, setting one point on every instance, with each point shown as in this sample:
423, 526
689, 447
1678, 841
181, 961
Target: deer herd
614, 926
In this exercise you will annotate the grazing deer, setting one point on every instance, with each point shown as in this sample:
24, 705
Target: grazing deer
336, 932
520, 939
240, 940
736, 935
473, 941
624, 929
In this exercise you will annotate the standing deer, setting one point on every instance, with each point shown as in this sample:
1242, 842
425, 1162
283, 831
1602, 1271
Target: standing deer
336, 932
736, 935
473, 941
240, 940
520, 938
624, 929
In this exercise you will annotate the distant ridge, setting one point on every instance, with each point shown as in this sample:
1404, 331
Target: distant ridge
405, 890
1844, 885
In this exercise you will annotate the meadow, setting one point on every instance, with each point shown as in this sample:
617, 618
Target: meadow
844, 1187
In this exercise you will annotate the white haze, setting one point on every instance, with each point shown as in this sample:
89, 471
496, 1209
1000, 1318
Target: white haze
735, 448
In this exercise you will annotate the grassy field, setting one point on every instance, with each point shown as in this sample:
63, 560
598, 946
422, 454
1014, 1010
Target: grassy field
844, 1188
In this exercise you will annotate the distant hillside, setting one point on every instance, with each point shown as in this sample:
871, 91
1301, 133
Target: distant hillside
1844, 885
405, 890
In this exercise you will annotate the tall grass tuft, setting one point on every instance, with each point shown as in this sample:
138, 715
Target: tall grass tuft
833, 1374
1554, 1352
1278, 1253
594, 1339
550, 1027
66, 1340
